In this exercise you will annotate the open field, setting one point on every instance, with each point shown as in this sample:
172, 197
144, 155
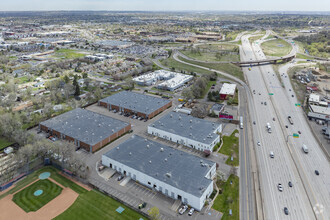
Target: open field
230, 147
225, 67
229, 199
29, 202
276, 48
211, 56
172, 63
68, 54
95, 205
4, 143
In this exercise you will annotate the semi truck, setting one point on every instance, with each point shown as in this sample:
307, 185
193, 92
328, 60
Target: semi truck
241, 122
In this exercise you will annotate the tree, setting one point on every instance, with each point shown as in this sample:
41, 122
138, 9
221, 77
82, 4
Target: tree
98, 93
154, 213
66, 79
77, 91
85, 75
187, 94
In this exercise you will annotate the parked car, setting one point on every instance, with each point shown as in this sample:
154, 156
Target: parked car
258, 143
290, 184
317, 172
299, 132
286, 211
142, 205
191, 211
273, 119
183, 209
280, 187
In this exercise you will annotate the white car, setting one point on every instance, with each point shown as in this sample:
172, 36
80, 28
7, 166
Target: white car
191, 211
279, 187
258, 143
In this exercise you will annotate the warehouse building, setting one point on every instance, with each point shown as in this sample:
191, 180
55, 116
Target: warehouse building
135, 103
187, 130
227, 90
88, 130
172, 80
174, 173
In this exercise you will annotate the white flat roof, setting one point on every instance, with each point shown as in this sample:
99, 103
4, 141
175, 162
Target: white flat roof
228, 89
314, 98
320, 109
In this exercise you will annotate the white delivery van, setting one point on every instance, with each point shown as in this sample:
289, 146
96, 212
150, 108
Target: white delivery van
305, 148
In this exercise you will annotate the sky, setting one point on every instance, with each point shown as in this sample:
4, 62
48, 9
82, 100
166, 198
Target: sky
166, 5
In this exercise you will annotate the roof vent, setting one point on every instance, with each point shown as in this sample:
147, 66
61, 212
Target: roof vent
168, 175
149, 161
161, 149
190, 121
130, 153
148, 146
190, 134
145, 140
117, 148
165, 159
171, 116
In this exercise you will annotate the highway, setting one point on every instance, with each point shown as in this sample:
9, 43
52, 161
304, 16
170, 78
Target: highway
309, 192
309, 196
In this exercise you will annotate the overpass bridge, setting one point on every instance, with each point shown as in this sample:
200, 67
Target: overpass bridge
284, 59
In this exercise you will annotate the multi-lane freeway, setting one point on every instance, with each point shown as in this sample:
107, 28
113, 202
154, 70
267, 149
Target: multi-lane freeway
271, 100
309, 197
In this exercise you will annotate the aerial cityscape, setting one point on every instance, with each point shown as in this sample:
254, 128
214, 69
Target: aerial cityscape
164, 110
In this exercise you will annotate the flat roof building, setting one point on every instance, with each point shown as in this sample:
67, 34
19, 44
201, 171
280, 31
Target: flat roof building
227, 90
184, 129
88, 130
172, 172
172, 81
136, 103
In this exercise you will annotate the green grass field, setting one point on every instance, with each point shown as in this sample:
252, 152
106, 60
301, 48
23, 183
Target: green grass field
225, 67
29, 202
229, 199
254, 38
276, 48
95, 205
210, 56
54, 175
170, 62
230, 147
68, 53
4, 143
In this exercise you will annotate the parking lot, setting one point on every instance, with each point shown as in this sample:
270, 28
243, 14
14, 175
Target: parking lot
128, 190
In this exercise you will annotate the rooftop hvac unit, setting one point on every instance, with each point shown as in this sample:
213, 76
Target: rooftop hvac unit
149, 161
165, 159
145, 140
190, 121
168, 175
117, 148
148, 146
130, 153
190, 134
113, 130
161, 149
